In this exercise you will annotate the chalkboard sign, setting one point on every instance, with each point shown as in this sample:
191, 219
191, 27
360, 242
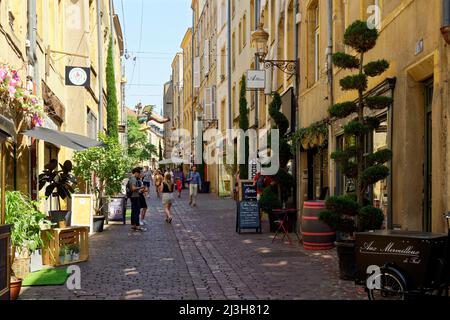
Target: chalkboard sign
248, 216
247, 191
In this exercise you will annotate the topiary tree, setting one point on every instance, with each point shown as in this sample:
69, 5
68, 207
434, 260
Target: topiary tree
244, 124
352, 213
112, 117
283, 178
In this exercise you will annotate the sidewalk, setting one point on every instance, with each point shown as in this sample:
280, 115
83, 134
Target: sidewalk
200, 256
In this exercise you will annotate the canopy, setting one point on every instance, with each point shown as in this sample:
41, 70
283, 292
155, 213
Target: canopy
6, 128
172, 161
65, 139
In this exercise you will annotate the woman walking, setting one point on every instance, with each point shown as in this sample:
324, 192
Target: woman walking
167, 196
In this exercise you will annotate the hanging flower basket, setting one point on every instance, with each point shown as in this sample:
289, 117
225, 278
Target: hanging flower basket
18, 99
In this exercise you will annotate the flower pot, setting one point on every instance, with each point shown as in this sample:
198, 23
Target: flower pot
75, 257
99, 222
68, 258
62, 224
59, 215
14, 288
62, 259
347, 259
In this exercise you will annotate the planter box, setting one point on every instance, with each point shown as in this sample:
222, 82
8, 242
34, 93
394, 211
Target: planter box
4, 261
65, 237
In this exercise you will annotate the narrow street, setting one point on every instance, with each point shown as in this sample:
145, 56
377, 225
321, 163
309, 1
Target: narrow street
201, 257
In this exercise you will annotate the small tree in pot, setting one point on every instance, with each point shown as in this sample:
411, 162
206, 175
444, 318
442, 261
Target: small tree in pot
26, 224
103, 169
60, 184
352, 213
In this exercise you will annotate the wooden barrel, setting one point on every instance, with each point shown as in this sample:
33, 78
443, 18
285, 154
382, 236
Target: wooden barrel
316, 234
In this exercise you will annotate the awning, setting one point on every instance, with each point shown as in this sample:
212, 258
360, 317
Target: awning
65, 139
172, 161
7, 129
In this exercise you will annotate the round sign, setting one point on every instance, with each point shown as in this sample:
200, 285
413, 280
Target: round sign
78, 76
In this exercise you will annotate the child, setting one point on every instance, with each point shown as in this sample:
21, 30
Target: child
179, 187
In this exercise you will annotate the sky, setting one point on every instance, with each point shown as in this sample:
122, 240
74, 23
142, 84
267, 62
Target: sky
153, 30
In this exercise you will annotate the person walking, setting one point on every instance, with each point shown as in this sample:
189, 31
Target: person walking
179, 186
147, 178
143, 202
166, 189
195, 185
158, 181
135, 189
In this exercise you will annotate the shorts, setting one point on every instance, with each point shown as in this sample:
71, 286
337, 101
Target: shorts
167, 198
142, 202
147, 184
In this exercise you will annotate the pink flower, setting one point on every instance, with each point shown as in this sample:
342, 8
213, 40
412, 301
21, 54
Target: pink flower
12, 91
15, 76
3, 74
34, 101
13, 83
37, 120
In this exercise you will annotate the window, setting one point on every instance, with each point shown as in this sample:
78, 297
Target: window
244, 31
252, 15
223, 123
233, 101
290, 32
233, 51
313, 53
316, 45
240, 37
223, 56
91, 124
272, 16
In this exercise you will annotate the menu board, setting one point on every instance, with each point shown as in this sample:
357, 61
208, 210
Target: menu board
248, 216
247, 191
82, 210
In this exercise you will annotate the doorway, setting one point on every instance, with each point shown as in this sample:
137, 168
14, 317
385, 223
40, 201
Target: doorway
427, 194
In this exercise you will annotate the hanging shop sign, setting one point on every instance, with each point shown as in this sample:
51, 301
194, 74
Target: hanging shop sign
78, 76
256, 79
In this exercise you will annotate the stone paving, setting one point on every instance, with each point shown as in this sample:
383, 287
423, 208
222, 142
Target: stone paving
200, 256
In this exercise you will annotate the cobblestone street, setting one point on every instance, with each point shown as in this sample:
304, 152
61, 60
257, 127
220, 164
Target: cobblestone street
200, 256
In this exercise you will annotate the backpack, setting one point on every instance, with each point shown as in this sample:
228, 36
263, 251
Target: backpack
128, 189
260, 182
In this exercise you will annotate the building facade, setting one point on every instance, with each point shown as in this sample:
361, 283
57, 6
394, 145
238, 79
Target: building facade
42, 38
415, 127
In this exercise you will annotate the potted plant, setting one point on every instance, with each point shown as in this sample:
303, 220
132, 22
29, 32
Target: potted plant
62, 255
103, 169
26, 224
353, 213
60, 184
68, 255
75, 252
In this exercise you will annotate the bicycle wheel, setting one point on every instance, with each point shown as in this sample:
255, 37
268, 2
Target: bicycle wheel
392, 287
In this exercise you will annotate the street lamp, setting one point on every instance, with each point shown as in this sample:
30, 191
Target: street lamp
259, 40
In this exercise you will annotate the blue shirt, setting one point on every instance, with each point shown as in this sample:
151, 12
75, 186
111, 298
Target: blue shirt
194, 178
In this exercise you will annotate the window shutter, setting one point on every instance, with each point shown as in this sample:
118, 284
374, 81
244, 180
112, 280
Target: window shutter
207, 103
213, 103
197, 72
206, 57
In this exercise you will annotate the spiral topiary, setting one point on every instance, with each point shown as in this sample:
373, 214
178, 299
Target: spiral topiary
362, 168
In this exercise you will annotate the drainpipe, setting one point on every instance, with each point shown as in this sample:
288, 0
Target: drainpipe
100, 66
330, 50
297, 168
230, 120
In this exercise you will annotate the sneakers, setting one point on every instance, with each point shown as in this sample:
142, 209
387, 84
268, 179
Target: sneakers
143, 223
